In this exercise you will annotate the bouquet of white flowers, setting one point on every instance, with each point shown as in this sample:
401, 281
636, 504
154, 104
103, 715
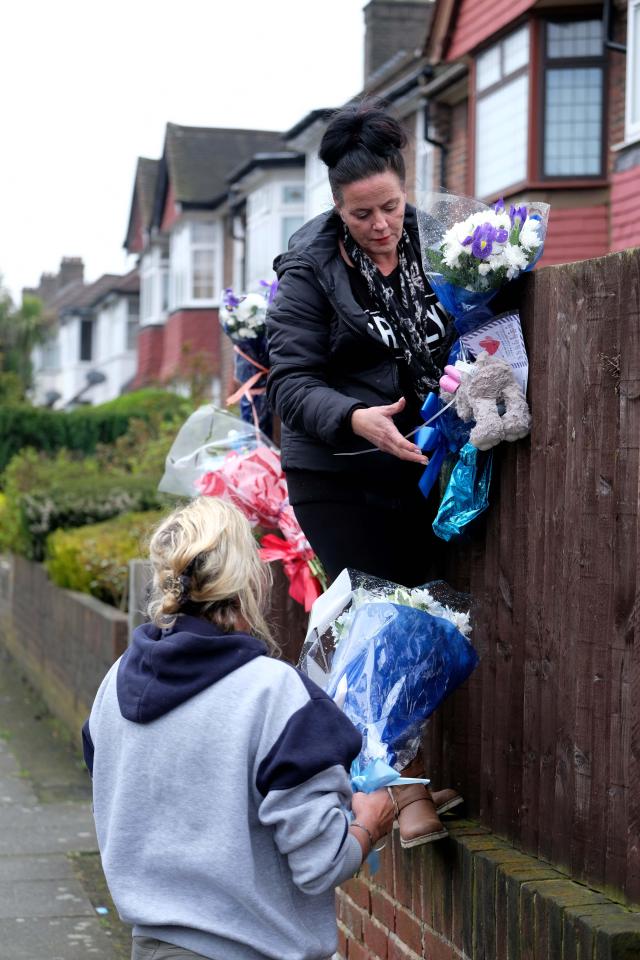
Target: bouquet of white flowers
243, 319
470, 250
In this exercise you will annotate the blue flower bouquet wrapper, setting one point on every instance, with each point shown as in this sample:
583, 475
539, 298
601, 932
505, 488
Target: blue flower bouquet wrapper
387, 664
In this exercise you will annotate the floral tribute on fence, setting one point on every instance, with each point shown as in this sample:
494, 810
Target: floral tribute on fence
218, 455
469, 252
243, 319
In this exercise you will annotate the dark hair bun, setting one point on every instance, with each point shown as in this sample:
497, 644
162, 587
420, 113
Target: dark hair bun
361, 125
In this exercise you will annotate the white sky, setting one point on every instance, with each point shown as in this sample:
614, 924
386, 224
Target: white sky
87, 87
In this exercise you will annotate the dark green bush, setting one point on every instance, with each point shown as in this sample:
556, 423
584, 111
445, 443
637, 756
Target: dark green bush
82, 429
95, 559
44, 494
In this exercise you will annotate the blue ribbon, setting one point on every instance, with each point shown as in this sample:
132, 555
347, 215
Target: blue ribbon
434, 440
376, 775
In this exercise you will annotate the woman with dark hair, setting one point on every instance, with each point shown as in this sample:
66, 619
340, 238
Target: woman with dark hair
357, 339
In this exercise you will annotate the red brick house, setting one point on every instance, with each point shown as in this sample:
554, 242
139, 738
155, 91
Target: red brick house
180, 229
541, 99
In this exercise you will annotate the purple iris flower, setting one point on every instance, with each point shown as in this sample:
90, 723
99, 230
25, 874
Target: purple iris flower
272, 288
518, 213
499, 207
230, 299
483, 238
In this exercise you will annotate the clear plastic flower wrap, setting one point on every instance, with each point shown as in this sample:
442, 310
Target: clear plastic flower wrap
469, 250
218, 455
388, 656
202, 445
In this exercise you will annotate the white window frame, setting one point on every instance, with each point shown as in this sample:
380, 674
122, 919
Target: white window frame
490, 89
154, 268
632, 129
425, 162
182, 249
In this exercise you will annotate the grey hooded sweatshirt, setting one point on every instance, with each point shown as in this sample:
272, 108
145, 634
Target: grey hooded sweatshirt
220, 786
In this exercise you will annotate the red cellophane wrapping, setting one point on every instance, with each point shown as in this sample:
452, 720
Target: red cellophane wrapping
256, 484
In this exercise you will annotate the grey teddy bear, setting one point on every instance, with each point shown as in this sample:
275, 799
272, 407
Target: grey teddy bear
489, 382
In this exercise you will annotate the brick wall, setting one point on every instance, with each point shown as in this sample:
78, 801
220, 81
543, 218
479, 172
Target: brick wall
150, 349
474, 897
196, 331
64, 641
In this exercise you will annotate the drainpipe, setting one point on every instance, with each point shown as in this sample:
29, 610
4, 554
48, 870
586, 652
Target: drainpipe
609, 43
440, 144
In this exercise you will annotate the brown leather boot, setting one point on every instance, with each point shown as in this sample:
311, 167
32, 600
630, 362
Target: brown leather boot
417, 817
446, 800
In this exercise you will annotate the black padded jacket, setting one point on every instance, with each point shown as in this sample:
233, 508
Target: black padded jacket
327, 358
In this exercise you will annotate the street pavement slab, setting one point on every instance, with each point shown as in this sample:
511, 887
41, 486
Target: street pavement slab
45, 912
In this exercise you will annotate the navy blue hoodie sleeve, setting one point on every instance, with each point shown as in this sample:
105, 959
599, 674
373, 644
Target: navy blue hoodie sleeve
87, 746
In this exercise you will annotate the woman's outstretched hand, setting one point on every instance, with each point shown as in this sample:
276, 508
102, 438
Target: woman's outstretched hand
376, 425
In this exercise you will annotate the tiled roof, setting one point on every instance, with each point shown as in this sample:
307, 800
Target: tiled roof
65, 297
146, 176
142, 199
199, 159
283, 158
84, 297
309, 118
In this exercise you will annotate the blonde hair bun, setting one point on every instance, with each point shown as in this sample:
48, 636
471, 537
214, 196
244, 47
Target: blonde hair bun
204, 555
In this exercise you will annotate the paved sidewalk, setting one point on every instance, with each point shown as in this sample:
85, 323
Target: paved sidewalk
47, 842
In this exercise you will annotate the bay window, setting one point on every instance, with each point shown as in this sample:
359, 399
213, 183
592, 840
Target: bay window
154, 280
632, 113
502, 110
570, 103
195, 270
133, 324
573, 99
203, 260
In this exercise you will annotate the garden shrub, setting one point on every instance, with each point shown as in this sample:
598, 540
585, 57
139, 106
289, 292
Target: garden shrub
84, 428
44, 494
95, 559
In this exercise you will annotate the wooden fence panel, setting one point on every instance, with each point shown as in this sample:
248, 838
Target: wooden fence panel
544, 740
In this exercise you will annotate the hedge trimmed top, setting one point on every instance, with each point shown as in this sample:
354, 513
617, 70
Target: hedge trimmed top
84, 428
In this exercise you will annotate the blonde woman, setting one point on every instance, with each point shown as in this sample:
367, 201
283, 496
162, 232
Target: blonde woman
220, 773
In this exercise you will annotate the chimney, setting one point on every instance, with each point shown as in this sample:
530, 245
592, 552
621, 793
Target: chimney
48, 287
71, 271
392, 26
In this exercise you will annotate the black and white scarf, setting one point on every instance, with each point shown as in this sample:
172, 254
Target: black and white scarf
407, 315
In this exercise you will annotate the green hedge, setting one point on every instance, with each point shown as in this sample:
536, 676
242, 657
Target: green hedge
44, 494
95, 559
85, 428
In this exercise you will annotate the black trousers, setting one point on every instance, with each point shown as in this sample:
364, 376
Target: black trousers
375, 522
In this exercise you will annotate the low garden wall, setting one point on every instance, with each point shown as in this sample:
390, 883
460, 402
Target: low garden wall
64, 641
